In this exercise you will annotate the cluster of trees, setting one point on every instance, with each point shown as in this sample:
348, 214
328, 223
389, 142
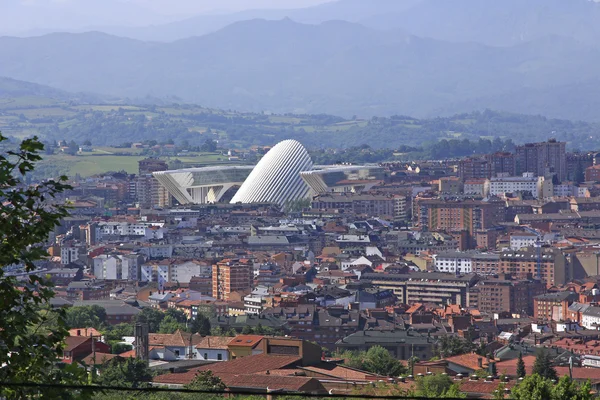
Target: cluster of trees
376, 360
31, 336
536, 387
448, 346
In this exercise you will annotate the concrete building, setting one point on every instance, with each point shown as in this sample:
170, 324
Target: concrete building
553, 265
500, 163
590, 318
230, 276
71, 252
553, 306
592, 174
542, 159
505, 295
455, 216
500, 185
202, 185
450, 185
475, 187
453, 262
423, 287
520, 240
150, 193
343, 179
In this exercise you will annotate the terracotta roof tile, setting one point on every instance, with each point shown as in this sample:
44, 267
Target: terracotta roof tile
178, 338
72, 342
246, 340
468, 361
255, 364
288, 383
214, 342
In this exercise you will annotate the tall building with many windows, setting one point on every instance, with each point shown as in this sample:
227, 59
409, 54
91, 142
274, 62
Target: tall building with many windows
542, 158
150, 193
230, 276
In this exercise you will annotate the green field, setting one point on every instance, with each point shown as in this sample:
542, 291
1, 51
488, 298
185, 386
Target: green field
90, 165
108, 159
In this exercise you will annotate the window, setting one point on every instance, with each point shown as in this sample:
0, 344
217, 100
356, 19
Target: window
176, 353
220, 357
206, 356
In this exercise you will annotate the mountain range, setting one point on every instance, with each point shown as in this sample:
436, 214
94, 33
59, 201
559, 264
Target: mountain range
350, 57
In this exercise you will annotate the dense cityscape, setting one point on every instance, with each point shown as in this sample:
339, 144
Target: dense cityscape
463, 268
299, 199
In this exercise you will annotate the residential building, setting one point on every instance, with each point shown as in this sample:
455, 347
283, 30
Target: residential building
590, 318
548, 264
542, 158
500, 185
505, 295
455, 216
454, 262
485, 263
150, 193
553, 306
230, 276
500, 163
475, 187
592, 174
425, 287
520, 240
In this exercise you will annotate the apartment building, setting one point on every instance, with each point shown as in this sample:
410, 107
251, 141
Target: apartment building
551, 262
425, 287
230, 276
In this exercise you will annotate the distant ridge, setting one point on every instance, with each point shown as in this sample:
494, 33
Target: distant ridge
335, 67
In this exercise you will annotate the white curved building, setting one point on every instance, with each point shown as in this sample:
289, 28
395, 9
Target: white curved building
343, 179
276, 177
202, 185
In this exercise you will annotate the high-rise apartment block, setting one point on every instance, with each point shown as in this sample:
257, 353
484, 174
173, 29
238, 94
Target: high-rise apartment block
489, 166
230, 276
455, 216
542, 159
150, 193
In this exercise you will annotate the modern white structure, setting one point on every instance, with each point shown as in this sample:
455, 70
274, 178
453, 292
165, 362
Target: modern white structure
111, 267
343, 179
454, 262
202, 185
284, 174
518, 241
590, 318
276, 177
500, 185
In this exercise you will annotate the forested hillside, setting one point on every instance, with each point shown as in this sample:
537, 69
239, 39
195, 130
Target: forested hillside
114, 124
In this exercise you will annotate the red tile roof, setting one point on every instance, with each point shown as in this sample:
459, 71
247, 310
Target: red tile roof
288, 383
180, 339
246, 340
256, 364
72, 342
469, 361
341, 372
483, 387
214, 342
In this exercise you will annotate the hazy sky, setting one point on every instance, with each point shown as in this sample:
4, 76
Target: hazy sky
28, 15
169, 6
